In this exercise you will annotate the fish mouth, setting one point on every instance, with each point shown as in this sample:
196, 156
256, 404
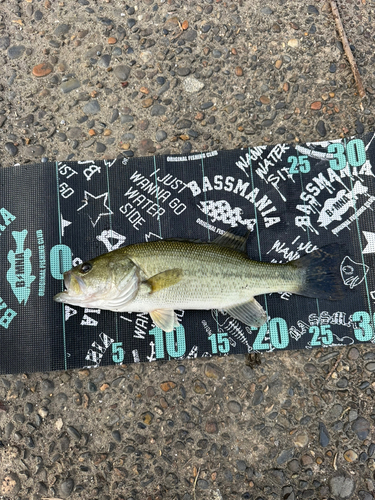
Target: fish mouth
75, 287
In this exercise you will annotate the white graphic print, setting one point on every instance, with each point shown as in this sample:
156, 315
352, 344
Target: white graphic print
353, 273
334, 208
104, 238
90, 171
69, 312
222, 211
152, 236
64, 224
230, 326
370, 237
95, 205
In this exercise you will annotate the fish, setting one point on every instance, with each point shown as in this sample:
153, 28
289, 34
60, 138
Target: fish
162, 276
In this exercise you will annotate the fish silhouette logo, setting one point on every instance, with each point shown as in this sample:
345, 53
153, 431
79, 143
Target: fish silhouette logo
19, 274
352, 273
335, 208
222, 211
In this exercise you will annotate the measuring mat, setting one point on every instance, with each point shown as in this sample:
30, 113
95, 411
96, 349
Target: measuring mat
293, 199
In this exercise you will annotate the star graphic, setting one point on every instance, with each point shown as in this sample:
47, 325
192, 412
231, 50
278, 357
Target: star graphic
370, 237
95, 206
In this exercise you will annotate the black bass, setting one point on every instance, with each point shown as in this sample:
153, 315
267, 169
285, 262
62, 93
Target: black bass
161, 276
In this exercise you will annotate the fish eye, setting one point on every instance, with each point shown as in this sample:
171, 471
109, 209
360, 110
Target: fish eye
86, 267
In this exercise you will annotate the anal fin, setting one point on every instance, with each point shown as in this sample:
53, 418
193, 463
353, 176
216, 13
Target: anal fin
251, 313
166, 319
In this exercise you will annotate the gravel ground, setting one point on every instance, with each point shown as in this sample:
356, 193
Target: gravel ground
103, 79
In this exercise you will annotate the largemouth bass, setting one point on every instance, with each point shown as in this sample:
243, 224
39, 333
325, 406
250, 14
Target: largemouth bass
161, 276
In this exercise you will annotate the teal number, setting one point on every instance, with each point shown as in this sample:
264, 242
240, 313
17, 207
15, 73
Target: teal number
176, 347
159, 342
364, 331
213, 340
322, 334
356, 153
258, 342
117, 352
302, 162
293, 169
220, 341
326, 335
339, 161
315, 342
223, 342
279, 333
60, 259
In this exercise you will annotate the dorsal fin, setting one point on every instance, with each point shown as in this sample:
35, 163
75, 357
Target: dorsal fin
235, 238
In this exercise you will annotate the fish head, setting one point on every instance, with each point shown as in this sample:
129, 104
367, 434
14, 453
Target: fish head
99, 281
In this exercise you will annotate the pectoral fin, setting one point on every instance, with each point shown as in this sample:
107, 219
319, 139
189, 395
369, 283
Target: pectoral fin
251, 313
164, 279
166, 319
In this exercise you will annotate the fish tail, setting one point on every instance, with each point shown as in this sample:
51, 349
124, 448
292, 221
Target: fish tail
322, 278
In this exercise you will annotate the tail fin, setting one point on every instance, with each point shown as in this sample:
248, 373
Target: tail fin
322, 278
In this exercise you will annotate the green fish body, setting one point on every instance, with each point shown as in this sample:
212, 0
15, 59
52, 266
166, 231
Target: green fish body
161, 276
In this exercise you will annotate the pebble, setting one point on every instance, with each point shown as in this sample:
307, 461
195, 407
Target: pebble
211, 427
146, 146
311, 9
234, 407
359, 128
285, 456
192, 85
186, 147
42, 69
4, 42
183, 123
160, 135
301, 439
62, 29
11, 148
100, 147
321, 128
104, 61
146, 103
69, 85
92, 107
293, 43
341, 486
66, 487
213, 371
316, 105
122, 72
199, 387
143, 124
183, 71
361, 427
324, 438
168, 386
16, 51
350, 455
72, 431
206, 105
258, 397
264, 99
